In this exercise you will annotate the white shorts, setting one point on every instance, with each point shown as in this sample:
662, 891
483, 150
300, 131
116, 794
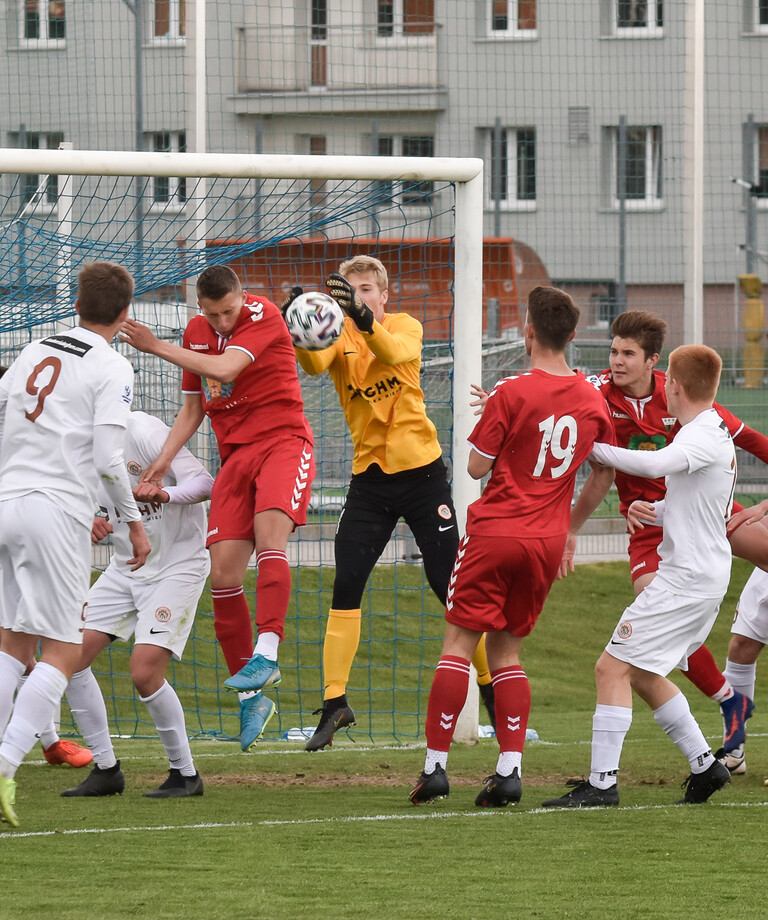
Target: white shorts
751, 618
659, 629
45, 569
160, 614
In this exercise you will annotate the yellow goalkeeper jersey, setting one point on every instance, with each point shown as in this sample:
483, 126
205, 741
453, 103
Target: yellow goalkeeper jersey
377, 377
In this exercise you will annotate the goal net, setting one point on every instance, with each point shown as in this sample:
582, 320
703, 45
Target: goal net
278, 221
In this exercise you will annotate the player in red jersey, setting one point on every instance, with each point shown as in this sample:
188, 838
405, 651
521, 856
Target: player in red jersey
535, 432
240, 370
634, 392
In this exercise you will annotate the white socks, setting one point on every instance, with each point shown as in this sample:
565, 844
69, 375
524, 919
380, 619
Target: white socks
90, 713
610, 725
168, 715
35, 705
267, 644
676, 719
435, 759
11, 675
741, 676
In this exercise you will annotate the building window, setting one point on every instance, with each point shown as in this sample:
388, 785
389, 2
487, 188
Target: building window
512, 157
410, 193
318, 146
405, 17
318, 43
170, 20
43, 22
761, 164
512, 18
639, 18
168, 191
41, 192
642, 168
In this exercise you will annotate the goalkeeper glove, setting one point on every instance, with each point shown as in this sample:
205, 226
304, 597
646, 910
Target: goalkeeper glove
295, 292
349, 301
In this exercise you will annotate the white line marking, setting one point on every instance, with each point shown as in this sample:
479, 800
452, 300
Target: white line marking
410, 816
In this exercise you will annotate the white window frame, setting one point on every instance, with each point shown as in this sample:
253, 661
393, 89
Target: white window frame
174, 36
649, 30
511, 202
398, 34
44, 42
397, 151
512, 30
173, 202
761, 201
46, 140
760, 28
653, 166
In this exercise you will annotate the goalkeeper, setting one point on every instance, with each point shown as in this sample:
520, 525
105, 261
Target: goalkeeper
397, 469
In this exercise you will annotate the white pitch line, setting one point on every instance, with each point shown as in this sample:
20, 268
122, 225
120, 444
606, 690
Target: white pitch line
412, 816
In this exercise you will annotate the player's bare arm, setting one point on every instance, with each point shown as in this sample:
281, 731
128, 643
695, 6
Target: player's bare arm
224, 367
150, 492
593, 492
187, 422
479, 465
753, 515
139, 543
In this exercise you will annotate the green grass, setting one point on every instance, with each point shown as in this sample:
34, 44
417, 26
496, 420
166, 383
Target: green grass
283, 834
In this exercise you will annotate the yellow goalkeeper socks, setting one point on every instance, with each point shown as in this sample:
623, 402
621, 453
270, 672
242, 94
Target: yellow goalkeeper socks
342, 637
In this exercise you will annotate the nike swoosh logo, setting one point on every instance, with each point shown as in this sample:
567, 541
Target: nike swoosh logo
155, 632
449, 527
350, 352
613, 641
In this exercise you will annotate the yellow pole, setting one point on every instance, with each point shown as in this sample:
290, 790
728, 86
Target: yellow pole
753, 324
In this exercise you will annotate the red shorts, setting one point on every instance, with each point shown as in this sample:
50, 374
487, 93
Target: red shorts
644, 551
501, 583
276, 473
644, 548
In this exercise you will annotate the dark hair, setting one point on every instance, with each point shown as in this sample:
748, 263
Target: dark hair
697, 369
216, 282
104, 290
647, 329
553, 315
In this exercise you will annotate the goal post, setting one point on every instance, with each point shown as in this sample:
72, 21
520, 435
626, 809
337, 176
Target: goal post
251, 203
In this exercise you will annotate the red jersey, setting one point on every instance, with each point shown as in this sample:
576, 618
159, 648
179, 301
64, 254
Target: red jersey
264, 400
539, 428
647, 424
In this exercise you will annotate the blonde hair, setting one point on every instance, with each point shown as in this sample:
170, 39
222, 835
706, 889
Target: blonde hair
697, 369
363, 265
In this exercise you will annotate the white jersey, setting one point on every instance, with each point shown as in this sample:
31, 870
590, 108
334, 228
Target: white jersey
700, 470
51, 399
175, 531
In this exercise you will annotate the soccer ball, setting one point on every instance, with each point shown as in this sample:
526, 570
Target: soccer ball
314, 320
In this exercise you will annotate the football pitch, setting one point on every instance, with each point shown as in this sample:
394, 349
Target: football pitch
281, 833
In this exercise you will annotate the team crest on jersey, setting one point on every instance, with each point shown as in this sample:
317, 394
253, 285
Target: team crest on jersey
647, 442
624, 630
445, 512
162, 614
134, 467
215, 389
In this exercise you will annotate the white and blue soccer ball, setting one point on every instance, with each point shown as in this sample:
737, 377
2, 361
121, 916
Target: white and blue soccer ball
314, 320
